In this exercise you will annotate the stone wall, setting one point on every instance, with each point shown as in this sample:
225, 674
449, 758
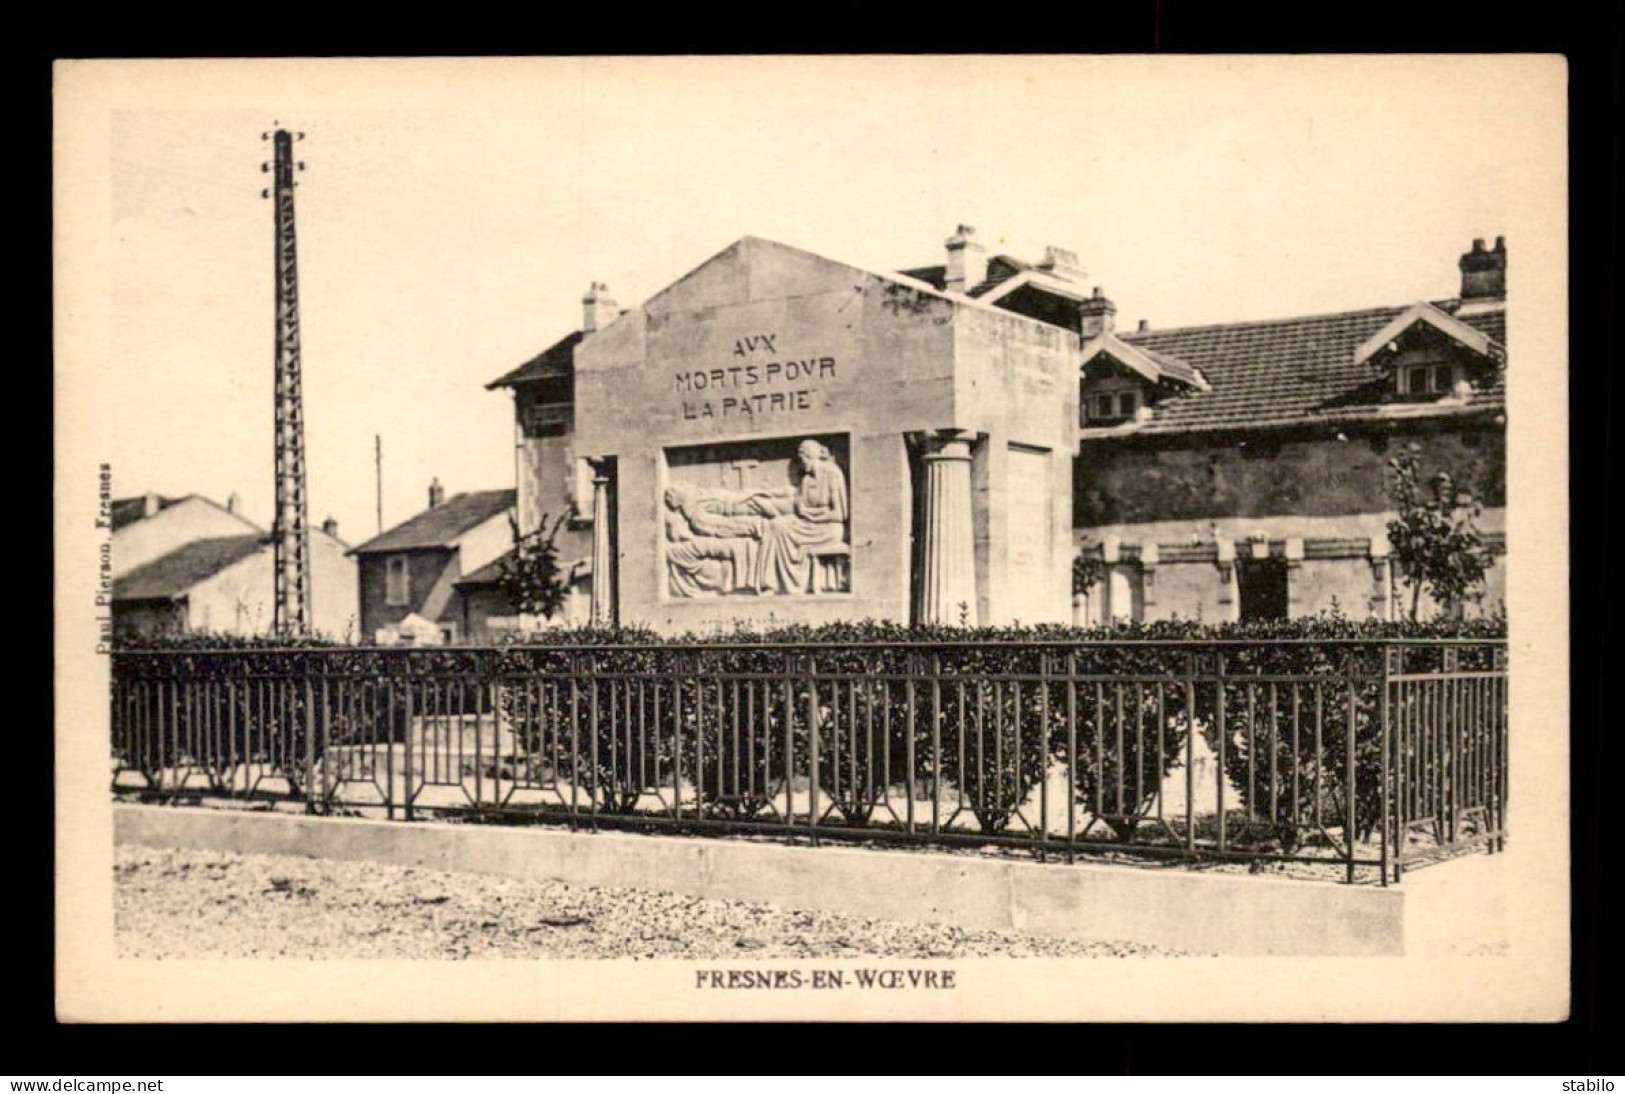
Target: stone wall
1135, 481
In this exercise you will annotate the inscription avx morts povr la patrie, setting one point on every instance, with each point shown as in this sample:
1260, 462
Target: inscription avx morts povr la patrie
756, 382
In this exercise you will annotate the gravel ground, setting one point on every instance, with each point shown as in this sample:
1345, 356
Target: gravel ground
184, 903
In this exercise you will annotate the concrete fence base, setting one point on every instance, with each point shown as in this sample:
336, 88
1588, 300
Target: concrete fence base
1172, 907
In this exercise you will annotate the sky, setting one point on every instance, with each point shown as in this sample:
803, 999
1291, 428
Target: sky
451, 216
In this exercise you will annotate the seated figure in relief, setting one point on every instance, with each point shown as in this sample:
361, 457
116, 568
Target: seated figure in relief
800, 519
711, 540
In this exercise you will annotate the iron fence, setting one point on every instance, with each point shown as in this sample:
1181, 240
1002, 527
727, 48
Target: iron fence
1366, 755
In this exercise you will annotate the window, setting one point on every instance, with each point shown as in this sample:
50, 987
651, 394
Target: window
1110, 407
397, 582
547, 419
1426, 379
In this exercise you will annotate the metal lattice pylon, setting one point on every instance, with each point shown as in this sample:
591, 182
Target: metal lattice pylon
290, 531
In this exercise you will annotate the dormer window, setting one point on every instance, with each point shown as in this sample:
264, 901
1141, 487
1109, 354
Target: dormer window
1425, 353
1121, 381
1426, 381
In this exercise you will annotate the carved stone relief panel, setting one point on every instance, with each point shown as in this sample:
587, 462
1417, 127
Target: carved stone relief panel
758, 518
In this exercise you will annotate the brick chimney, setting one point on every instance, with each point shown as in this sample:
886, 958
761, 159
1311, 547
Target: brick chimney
1484, 272
437, 493
1096, 315
598, 308
331, 527
150, 505
1062, 263
967, 261
234, 502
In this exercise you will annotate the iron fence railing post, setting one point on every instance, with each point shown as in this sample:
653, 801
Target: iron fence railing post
593, 753
409, 779
1350, 790
387, 683
1503, 750
1191, 730
310, 745
1043, 753
1220, 732
496, 739
936, 741
575, 740
911, 666
788, 684
1383, 715
813, 727
1071, 755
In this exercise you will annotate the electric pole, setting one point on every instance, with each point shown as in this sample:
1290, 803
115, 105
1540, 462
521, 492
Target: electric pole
290, 531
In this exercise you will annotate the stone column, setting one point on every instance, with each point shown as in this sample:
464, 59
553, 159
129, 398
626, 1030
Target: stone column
1150, 556
1112, 589
1294, 577
948, 561
1229, 594
1382, 582
603, 553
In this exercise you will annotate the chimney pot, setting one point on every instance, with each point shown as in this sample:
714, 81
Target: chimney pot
331, 527
234, 502
437, 493
967, 261
1145, 325
150, 504
598, 308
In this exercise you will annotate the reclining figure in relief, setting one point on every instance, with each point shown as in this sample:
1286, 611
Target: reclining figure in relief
777, 541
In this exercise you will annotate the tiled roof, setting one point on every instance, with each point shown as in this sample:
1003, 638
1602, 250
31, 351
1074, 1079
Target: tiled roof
1292, 371
171, 575
443, 524
557, 360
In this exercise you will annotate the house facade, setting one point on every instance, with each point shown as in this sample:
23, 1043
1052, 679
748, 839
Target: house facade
779, 437
150, 526
224, 585
1241, 470
407, 577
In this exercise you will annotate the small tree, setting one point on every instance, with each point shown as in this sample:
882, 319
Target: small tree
1435, 537
530, 575
1087, 572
